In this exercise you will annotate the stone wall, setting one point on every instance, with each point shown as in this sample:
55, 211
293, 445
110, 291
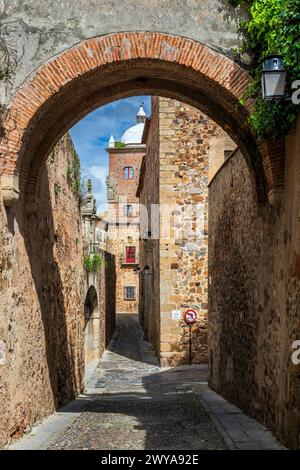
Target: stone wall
120, 236
185, 136
254, 300
148, 193
100, 307
40, 31
41, 301
122, 189
176, 176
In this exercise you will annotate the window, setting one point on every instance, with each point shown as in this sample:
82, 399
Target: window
128, 210
128, 172
129, 293
130, 254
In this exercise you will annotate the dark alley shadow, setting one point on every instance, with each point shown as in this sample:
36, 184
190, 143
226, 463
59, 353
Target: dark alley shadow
130, 401
233, 309
39, 236
110, 296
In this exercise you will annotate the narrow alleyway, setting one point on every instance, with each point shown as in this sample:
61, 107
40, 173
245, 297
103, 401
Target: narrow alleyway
131, 403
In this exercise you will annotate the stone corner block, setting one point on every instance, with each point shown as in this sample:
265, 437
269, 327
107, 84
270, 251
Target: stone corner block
10, 189
275, 197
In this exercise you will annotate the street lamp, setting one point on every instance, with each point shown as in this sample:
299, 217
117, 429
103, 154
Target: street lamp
273, 78
146, 269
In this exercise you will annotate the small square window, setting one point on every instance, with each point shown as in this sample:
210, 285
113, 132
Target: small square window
129, 293
128, 172
128, 210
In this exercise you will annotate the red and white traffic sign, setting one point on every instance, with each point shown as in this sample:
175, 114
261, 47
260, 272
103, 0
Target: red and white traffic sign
190, 316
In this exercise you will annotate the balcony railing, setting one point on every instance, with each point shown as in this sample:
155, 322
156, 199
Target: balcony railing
129, 262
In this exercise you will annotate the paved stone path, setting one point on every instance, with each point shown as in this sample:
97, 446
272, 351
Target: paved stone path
131, 403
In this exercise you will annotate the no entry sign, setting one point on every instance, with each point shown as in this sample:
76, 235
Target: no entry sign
190, 316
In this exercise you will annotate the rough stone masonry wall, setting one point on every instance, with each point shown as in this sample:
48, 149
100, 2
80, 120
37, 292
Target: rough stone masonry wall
41, 301
149, 307
39, 30
254, 295
185, 135
182, 158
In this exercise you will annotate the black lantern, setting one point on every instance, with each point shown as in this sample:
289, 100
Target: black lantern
273, 78
146, 269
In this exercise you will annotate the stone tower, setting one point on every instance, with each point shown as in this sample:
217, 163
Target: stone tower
125, 158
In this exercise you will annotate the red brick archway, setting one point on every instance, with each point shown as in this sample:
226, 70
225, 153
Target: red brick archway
110, 67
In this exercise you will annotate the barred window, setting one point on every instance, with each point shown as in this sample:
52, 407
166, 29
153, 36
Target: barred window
129, 293
128, 210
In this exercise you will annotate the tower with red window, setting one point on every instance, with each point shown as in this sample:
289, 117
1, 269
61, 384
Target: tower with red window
125, 159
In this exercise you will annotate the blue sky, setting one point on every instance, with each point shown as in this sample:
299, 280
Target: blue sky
91, 135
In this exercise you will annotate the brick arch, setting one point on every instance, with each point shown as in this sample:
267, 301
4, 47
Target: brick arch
102, 69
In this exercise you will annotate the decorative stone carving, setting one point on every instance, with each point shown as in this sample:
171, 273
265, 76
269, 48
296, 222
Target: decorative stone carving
88, 208
2, 353
111, 189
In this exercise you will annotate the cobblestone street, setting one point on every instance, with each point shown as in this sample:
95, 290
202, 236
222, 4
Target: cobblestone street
131, 403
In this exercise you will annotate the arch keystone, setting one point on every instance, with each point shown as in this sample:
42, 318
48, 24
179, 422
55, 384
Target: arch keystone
275, 197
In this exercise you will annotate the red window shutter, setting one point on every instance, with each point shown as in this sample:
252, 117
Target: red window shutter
130, 254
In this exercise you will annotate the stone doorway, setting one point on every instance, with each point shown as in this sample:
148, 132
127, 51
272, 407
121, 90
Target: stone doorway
92, 326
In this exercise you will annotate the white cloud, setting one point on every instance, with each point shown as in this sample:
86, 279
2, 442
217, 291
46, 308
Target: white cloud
102, 208
91, 135
101, 201
99, 173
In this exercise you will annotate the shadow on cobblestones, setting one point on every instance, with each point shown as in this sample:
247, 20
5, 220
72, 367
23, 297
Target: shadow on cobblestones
160, 411
130, 403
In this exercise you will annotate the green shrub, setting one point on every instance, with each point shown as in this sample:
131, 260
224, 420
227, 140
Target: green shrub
93, 263
119, 145
273, 27
74, 173
57, 189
